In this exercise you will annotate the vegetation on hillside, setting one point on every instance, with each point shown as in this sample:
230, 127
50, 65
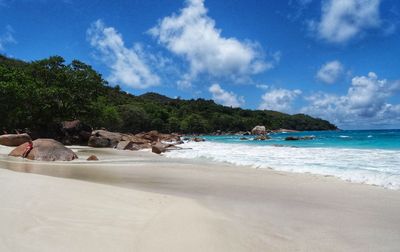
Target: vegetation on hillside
40, 94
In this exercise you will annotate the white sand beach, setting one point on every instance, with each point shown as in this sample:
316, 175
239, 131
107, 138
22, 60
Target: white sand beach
139, 201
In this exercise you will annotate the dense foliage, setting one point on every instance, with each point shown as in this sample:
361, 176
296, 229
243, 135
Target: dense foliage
40, 94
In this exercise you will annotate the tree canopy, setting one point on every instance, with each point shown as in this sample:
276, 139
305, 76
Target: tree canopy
40, 94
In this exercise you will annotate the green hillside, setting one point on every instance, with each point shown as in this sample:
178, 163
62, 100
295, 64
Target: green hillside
39, 95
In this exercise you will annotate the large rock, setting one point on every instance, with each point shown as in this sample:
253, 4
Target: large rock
45, 150
128, 145
159, 148
151, 136
173, 137
105, 139
14, 139
258, 130
155, 136
75, 132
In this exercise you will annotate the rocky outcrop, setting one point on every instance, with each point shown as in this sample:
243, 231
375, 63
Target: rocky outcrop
294, 138
106, 139
45, 150
75, 132
14, 139
258, 130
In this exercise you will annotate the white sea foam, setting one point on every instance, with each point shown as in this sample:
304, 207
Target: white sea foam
369, 166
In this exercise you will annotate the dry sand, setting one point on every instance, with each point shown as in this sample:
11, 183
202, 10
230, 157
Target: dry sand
138, 201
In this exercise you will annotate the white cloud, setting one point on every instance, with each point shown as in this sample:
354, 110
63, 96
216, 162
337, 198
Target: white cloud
192, 35
365, 101
224, 97
262, 86
126, 65
342, 20
7, 38
279, 99
330, 72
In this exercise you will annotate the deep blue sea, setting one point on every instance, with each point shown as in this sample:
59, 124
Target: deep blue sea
360, 156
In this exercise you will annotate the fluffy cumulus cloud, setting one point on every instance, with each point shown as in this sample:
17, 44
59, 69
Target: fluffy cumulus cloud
7, 38
193, 35
224, 97
279, 99
330, 72
342, 20
366, 101
126, 64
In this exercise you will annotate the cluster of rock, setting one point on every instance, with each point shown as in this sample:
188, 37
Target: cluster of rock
158, 142
52, 150
76, 132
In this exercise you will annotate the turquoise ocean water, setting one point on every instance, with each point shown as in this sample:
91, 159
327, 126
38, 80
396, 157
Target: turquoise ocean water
362, 139
367, 156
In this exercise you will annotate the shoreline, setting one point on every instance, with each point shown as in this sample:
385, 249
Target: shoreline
248, 209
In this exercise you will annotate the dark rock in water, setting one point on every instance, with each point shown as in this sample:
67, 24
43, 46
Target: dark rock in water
92, 158
198, 139
158, 148
258, 130
186, 139
293, 138
247, 133
262, 137
14, 139
75, 132
244, 138
45, 150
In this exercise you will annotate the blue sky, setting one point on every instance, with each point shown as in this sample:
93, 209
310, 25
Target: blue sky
334, 59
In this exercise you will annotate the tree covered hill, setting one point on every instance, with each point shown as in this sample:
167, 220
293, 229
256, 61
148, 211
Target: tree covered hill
39, 95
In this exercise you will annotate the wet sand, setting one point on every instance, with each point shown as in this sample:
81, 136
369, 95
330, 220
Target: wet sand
227, 208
